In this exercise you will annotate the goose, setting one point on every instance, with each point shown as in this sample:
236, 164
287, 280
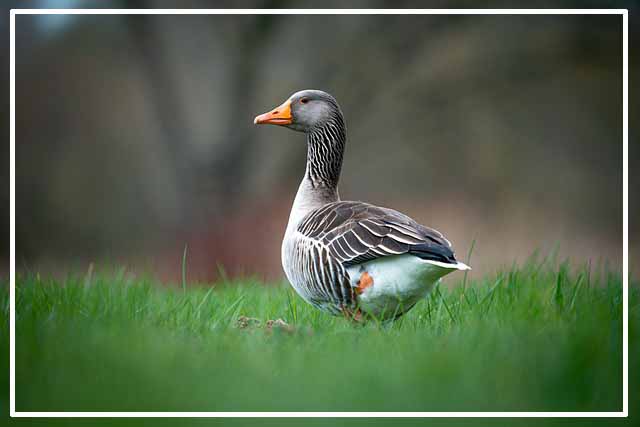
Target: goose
347, 257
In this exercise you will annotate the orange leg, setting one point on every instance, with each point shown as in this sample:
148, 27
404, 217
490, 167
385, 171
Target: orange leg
354, 316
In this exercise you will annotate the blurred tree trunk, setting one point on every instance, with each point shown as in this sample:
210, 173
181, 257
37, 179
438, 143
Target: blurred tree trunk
232, 164
229, 167
163, 90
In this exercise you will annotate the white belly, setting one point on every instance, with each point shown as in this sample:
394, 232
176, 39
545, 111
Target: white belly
399, 282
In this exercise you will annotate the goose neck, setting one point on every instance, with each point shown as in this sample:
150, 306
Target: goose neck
325, 151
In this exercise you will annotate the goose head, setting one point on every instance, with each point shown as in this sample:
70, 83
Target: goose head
304, 111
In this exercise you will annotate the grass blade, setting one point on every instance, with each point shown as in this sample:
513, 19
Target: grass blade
184, 269
446, 306
466, 272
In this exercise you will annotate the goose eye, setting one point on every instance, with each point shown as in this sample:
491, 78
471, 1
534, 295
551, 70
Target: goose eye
304, 100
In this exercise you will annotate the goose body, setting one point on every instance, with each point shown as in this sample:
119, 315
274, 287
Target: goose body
350, 257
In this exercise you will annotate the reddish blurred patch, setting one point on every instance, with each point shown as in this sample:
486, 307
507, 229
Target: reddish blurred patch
243, 245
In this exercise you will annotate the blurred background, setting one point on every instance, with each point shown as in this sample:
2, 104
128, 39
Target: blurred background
135, 135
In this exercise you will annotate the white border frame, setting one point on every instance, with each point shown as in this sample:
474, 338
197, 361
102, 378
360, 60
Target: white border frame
625, 205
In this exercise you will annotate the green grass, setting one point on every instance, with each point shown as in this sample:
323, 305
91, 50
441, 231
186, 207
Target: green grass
541, 337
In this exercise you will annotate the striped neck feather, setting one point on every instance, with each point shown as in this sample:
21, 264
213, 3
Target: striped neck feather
325, 150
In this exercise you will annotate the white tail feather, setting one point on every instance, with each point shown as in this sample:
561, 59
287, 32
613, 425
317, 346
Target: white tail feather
458, 266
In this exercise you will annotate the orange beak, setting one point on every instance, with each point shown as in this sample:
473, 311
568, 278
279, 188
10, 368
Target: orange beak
278, 116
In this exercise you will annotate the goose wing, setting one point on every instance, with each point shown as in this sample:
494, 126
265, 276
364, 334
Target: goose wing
356, 232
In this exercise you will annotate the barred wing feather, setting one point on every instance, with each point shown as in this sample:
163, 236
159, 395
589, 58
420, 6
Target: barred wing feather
356, 232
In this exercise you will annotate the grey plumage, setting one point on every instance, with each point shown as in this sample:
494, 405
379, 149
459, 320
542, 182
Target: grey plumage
326, 237
356, 231
348, 233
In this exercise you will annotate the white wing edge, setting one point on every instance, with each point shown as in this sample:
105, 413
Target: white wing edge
458, 266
